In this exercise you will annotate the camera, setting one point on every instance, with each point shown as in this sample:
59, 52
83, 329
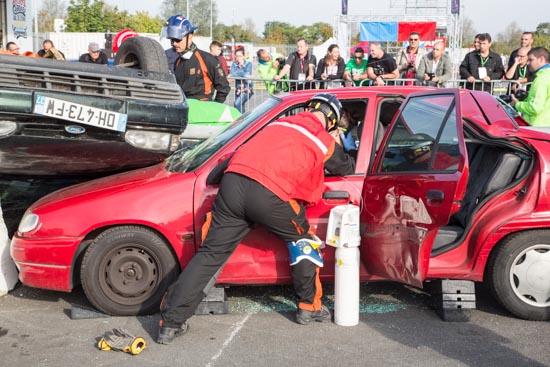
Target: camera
281, 61
520, 94
431, 75
411, 65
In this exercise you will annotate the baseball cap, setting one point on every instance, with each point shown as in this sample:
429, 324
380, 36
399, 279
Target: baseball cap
93, 46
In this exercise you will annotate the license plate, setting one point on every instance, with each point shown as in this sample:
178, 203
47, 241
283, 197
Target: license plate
76, 112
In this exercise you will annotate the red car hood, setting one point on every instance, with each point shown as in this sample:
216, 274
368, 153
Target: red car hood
118, 182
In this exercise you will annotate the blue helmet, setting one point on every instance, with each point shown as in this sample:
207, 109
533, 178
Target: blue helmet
328, 104
177, 27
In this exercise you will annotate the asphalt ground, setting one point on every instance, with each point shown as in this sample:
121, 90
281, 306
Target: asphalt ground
397, 328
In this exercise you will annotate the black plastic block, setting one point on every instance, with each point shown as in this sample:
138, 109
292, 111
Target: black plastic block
454, 297
214, 303
452, 286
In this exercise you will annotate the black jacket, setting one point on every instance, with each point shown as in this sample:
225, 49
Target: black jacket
102, 59
471, 64
201, 81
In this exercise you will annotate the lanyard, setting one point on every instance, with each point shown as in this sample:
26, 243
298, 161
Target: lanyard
483, 60
522, 71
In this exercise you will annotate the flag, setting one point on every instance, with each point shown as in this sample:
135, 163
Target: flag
455, 6
344, 7
378, 31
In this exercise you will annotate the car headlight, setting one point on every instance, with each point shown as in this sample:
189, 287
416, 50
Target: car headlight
28, 223
152, 140
7, 128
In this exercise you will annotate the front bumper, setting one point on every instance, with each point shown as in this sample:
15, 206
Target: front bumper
45, 263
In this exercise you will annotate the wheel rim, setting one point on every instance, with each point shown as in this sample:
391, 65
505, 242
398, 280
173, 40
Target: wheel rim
530, 275
129, 274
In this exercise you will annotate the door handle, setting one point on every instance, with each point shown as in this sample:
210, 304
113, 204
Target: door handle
435, 195
336, 195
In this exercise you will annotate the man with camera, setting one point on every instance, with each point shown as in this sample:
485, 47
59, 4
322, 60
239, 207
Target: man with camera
380, 66
409, 57
535, 109
435, 68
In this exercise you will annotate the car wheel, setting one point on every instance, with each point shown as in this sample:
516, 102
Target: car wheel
142, 53
518, 273
126, 270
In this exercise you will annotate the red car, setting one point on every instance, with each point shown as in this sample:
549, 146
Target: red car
451, 183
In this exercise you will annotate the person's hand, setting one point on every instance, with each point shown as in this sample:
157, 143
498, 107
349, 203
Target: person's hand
516, 60
348, 142
471, 79
336, 136
426, 77
514, 100
276, 77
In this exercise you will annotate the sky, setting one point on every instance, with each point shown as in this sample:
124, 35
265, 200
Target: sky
490, 16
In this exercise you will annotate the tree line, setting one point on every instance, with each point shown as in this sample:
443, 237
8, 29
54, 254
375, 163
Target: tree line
97, 16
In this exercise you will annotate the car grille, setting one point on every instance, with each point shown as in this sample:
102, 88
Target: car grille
105, 82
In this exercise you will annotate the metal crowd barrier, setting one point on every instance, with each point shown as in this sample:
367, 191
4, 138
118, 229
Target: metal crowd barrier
261, 87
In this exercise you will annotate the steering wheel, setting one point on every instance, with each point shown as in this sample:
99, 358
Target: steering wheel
416, 151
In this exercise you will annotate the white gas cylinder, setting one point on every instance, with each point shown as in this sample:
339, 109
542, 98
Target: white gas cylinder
346, 286
343, 233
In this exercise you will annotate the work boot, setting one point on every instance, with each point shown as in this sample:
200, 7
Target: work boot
168, 334
305, 317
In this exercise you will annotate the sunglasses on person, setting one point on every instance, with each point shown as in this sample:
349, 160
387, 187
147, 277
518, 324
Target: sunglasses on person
359, 57
414, 39
175, 40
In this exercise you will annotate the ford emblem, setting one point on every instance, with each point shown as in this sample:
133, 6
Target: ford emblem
75, 129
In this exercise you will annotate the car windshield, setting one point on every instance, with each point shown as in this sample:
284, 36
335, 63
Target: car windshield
188, 160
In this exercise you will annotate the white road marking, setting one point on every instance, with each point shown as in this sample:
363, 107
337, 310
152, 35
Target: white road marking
234, 333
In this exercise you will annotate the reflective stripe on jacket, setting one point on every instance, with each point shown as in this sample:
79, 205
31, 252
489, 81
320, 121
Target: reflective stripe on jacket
287, 157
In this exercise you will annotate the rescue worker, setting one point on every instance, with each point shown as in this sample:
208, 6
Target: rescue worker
199, 74
264, 183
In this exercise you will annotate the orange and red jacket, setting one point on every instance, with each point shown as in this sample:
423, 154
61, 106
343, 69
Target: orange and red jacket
288, 158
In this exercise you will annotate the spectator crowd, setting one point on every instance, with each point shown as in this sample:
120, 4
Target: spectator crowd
204, 75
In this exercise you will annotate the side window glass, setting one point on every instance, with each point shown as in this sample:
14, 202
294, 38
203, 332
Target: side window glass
447, 156
425, 137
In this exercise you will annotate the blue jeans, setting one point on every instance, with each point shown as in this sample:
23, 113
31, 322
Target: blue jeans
240, 101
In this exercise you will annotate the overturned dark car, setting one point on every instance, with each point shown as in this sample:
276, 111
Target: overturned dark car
64, 122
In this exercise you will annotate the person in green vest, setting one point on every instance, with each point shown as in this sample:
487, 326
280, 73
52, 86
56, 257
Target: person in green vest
536, 107
268, 68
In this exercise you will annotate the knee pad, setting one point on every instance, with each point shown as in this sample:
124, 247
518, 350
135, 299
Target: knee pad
305, 249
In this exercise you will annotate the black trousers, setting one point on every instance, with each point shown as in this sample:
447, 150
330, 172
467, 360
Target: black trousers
240, 203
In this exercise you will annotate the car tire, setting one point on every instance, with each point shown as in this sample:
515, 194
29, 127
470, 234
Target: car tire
126, 270
519, 276
142, 53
